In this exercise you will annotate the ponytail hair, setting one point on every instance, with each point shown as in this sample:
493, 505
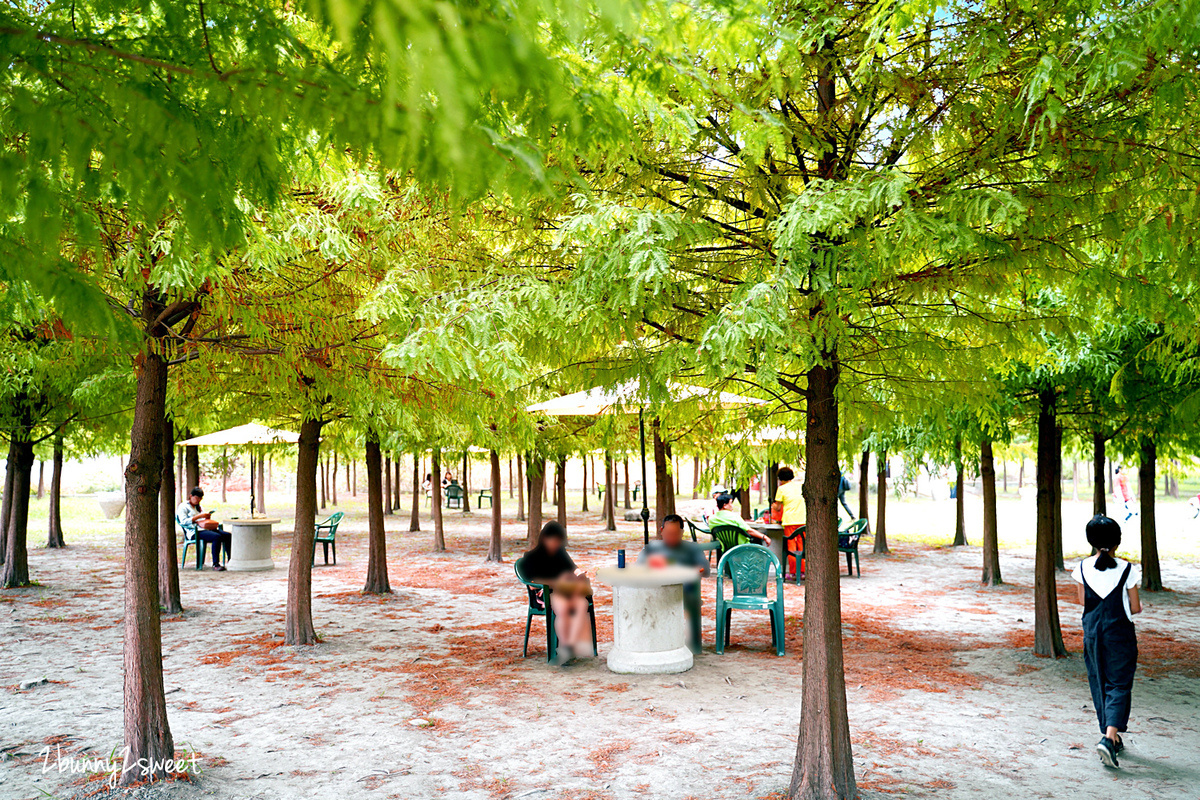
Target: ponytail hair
1104, 534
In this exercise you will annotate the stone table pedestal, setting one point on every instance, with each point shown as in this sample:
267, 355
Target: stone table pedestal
250, 549
649, 628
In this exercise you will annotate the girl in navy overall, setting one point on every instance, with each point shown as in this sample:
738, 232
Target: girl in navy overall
1108, 592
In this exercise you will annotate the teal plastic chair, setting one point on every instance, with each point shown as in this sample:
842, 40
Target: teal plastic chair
749, 569
727, 537
484, 494
190, 540
454, 496
709, 547
325, 534
848, 543
542, 608
797, 553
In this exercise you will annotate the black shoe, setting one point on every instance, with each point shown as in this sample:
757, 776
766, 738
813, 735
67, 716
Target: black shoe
218, 568
1108, 752
1120, 746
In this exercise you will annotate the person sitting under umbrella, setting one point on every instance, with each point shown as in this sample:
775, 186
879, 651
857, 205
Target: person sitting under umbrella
200, 524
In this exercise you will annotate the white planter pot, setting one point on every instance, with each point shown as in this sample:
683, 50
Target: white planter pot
111, 504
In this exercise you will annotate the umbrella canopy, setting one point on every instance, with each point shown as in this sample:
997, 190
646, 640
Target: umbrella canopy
628, 398
251, 433
774, 433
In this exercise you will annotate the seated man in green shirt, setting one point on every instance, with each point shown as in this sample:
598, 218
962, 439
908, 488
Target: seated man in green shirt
727, 516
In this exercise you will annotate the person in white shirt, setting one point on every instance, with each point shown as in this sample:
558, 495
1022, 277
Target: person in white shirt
1108, 592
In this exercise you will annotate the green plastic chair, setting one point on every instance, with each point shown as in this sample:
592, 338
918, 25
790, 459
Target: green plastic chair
484, 494
542, 608
709, 547
848, 543
798, 554
749, 568
728, 537
326, 534
454, 496
200, 545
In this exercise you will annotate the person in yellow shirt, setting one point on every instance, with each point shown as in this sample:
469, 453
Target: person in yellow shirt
789, 508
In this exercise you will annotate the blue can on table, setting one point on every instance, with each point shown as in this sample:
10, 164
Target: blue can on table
620, 559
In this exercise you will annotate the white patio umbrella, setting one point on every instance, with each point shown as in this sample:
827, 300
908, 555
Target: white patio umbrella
627, 397
249, 434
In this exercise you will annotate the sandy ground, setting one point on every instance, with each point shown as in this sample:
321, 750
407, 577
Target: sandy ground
424, 694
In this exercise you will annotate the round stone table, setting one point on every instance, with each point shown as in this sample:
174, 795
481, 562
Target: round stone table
251, 546
775, 531
649, 629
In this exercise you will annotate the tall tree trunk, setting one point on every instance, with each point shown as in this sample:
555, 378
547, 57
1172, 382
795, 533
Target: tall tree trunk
414, 520
298, 627
610, 502
332, 481
1074, 479
535, 466
41, 490
1047, 633
545, 484
1099, 498
1058, 499
743, 496
15, 572
262, 485
435, 483
560, 490
1004, 466
349, 470
191, 464
1151, 573
148, 741
321, 480
385, 498
864, 480
627, 503
881, 543
520, 488
225, 475
695, 477
353, 478
664, 499
1021, 475
168, 554
55, 538
510, 479
396, 482
585, 483
377, 572
181, 484
466, 470
824, 765
495, 544
960, 515
991, 531
10, 475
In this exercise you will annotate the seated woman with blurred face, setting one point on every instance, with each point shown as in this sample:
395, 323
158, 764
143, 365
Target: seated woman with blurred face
548, 563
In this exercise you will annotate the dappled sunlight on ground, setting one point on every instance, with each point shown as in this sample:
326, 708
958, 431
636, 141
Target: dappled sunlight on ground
423, 693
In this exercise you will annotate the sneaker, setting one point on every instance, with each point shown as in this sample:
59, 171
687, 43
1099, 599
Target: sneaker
1120, 744
1108, 752
218, 568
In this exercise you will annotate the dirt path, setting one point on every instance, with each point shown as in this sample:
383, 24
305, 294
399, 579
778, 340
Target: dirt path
424, 694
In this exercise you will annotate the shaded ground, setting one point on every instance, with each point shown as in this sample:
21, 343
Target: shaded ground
424, 694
